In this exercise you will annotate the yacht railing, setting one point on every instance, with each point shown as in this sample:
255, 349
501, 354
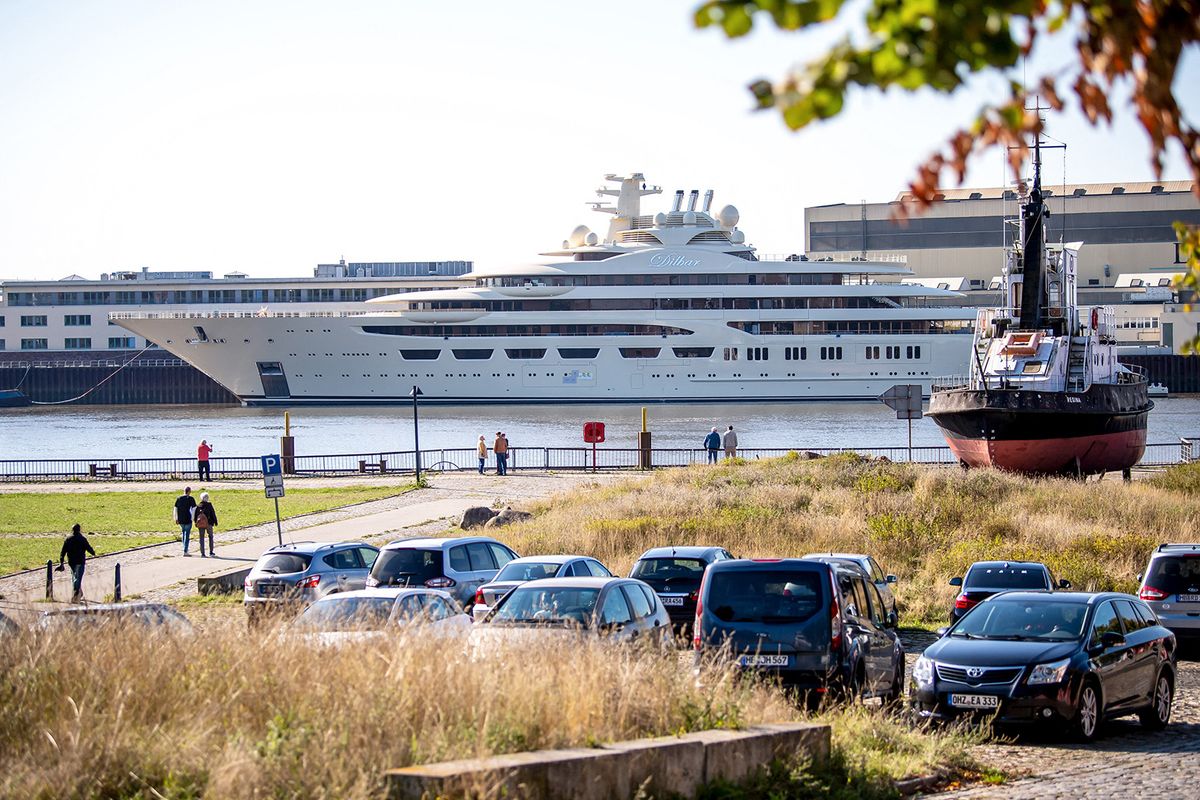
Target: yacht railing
857, 256
117, 315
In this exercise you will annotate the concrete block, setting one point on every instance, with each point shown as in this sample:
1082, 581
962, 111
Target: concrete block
735, 756
666, 766
225, 583
537, 775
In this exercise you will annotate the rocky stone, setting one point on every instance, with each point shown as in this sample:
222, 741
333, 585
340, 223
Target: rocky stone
507, 517
475, 517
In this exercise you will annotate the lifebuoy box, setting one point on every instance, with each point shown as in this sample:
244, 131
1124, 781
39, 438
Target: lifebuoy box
593, 432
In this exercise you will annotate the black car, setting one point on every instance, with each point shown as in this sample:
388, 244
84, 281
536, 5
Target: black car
1057, 658
674, 574
986, 578
813, 626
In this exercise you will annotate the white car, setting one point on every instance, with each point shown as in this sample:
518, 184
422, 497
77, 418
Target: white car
533, 568
347, 617
883, 582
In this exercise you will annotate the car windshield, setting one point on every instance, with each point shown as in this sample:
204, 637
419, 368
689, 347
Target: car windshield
347, 614
769, 596
999, 618
536, 605
665, 571
1175, 574
527, 571
1006, 578
407, 566
283, 563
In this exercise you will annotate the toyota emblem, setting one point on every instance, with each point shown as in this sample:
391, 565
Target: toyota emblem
974, 672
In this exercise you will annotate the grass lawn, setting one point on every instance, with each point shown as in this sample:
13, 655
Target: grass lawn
32, 525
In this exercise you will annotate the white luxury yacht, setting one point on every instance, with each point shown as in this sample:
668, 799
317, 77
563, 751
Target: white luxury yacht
673, 306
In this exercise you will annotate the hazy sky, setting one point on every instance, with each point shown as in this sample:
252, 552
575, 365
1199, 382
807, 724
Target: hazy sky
271, 135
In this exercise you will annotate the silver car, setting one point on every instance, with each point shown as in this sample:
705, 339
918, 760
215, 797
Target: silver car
883, 582
458, 564
623, 608
1171, 587
532, 568
374, 613
300, 573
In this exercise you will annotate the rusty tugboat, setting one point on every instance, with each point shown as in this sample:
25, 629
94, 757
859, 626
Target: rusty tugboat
1045, 394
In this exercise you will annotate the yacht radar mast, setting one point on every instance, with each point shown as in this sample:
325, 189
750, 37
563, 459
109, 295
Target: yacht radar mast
629, 201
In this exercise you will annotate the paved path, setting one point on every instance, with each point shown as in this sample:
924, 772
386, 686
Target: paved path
150, 570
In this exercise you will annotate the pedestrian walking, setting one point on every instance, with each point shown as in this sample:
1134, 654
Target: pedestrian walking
482, 447
75, 549
206, 520
202, 454
183, 514
712, 443
730, 442
500, 448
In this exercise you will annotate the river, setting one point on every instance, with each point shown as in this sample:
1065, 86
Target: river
174, 431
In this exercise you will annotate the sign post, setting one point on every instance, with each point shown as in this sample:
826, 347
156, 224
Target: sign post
272, 470
905, 399
593, 432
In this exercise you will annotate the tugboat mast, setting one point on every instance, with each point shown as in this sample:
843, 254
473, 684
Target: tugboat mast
1033, 249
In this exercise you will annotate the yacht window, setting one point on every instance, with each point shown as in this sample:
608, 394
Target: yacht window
1032, 368
578, 352
692, 352
472, 355
756, 354
831, 353
420, 355
893, 352
639, 352
873, 352
731, 353
524, 352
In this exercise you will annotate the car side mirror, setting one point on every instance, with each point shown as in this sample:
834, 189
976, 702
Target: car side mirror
892, 620
956, 581
890, 579
1139, 577
942, 631
1064, 584
1111, 639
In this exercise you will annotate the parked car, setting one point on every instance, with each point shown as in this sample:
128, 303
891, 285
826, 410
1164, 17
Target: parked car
1171, 587
883, 581
300, 573
459, 565
1061, 658
674, 573
152, 616
532, 568
986, 578
373, 613
621, 608
813, 625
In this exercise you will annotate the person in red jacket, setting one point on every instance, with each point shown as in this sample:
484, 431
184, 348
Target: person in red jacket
202, 453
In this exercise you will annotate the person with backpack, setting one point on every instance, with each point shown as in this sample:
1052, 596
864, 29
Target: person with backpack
183, 513
712, 443
75, 549
206, 520
483, 450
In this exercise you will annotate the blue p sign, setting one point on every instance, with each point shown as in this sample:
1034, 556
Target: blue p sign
272, 465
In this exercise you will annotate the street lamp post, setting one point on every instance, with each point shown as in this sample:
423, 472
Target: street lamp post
415, 393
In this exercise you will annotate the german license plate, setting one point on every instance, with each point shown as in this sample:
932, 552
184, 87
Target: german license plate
671, 601
974, 701
1189, 598
763, 661
270, 589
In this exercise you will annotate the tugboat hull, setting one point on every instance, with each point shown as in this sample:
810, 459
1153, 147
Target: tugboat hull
1045, 433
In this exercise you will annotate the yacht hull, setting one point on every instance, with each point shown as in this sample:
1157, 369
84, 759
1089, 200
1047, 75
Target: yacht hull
1045, 433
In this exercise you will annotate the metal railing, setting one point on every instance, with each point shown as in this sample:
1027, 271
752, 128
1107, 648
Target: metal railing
465, 458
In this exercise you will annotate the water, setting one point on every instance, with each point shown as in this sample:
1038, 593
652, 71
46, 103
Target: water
174, 431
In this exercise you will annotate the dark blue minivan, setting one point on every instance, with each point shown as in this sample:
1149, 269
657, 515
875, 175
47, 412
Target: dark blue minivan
814, 626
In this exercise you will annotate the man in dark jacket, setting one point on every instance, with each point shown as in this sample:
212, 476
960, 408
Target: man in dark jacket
75, 549
712, 443
185, 510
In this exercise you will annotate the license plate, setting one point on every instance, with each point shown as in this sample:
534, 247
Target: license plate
671, 601
1189, 598
269, 590
975, 700
763, 661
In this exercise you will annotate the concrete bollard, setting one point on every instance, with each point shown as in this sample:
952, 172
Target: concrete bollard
117, 583
49, 579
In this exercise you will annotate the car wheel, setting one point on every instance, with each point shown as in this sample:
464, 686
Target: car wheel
1088, 712
895, 692
1158, 714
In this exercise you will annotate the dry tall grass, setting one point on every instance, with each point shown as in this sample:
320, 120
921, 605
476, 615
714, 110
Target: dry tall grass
230, 715
924, 524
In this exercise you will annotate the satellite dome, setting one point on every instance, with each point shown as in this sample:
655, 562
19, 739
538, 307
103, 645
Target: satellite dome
660, 219
578, 235
689, 218
737, 237
728, 217
591, 239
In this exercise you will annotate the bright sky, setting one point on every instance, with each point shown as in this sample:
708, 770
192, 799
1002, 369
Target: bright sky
271, 135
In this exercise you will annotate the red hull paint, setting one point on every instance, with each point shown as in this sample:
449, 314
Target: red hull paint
1108, 452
